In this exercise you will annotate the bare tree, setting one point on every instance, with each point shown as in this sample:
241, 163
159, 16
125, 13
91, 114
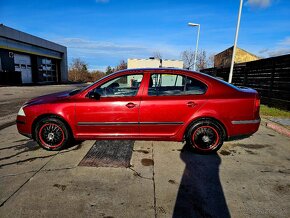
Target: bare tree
121, 66
78, 71
157, 55
188, 59
96, 75
202, 60
211, 61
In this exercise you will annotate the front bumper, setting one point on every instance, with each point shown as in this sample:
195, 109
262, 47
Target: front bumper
24, 126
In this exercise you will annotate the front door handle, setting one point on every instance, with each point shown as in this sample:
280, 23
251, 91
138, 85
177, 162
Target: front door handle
191, 104
130, 105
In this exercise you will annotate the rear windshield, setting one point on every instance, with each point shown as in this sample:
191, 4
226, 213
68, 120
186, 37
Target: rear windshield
222, 81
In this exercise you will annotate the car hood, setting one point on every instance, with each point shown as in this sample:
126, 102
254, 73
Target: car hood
50, 98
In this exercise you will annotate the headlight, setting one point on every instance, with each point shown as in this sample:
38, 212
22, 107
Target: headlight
21, 112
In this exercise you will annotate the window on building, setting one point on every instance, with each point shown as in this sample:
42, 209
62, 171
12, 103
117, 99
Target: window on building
48, 70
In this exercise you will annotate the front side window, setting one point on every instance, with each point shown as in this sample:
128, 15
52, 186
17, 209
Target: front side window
127, 85
174, 84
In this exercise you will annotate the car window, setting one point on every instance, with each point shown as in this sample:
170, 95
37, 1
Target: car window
127, 85
174, 84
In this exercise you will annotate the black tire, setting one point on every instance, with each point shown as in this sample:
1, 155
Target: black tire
52, 134
77, 141
205, 136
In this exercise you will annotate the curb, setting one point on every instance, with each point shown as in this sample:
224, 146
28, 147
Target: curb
277, 127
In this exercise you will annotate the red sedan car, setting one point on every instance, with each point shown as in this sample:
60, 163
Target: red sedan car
144, 104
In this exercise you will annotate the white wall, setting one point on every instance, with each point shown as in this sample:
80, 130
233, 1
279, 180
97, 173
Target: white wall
143, 63
172, 64
154, 63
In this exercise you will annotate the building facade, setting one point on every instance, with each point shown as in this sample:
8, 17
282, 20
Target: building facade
154, 63
224, 58
27, 59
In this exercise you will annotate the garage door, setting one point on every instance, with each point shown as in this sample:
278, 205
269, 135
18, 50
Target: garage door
23, 64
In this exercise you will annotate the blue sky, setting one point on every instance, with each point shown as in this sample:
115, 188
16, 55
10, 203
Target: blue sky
103, 32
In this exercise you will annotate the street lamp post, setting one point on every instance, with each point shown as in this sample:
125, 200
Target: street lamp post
197, 39
235, 43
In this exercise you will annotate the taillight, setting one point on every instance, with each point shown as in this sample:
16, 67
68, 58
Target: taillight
257, 106
257, 101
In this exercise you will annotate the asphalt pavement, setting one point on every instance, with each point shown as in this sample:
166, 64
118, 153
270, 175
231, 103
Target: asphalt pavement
246, 178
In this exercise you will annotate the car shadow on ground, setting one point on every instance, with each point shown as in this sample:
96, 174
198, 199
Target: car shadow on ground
200, 192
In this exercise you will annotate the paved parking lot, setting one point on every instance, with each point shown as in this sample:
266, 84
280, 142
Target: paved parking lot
246, 178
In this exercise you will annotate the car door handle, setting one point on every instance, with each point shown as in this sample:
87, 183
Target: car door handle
130, 105
191, 104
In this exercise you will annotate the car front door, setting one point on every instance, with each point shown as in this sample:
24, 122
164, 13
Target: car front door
171, 101
114, 113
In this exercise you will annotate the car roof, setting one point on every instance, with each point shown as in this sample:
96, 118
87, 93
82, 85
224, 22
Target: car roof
159, 69
147, 70
154, 69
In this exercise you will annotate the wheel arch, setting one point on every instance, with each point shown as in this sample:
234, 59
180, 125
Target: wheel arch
37, 119
223, 127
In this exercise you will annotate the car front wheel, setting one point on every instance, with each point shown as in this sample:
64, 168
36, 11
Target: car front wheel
52, 134
205, 136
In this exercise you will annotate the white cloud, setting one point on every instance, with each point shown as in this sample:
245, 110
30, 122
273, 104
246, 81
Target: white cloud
258, 3
120, 49
97, 67
100, 53
281, 48
285, 42
102, 1
279, 51
103, 47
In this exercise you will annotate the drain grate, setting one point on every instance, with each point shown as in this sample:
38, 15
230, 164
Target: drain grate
109, 154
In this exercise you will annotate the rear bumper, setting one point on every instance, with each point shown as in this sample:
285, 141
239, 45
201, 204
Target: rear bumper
238, 122
243, 128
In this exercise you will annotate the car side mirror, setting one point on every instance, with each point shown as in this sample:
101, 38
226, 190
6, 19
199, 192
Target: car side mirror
94, 95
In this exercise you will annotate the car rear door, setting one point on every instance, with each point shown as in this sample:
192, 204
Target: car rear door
168, 103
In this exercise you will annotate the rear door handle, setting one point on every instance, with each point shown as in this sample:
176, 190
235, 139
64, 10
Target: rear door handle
191, 104
130, 105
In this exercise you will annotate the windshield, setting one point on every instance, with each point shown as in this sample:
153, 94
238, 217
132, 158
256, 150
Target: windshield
76, 91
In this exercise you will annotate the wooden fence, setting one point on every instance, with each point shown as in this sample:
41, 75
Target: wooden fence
270, 77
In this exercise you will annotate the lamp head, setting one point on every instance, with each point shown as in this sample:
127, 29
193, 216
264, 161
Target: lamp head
193, 24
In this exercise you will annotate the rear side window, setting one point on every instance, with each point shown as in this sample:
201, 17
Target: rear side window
174, 84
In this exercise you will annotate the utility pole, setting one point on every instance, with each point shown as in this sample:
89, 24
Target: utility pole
196, 46
235, 43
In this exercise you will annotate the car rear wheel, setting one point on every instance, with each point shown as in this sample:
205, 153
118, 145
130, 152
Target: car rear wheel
52, 134
205, 136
